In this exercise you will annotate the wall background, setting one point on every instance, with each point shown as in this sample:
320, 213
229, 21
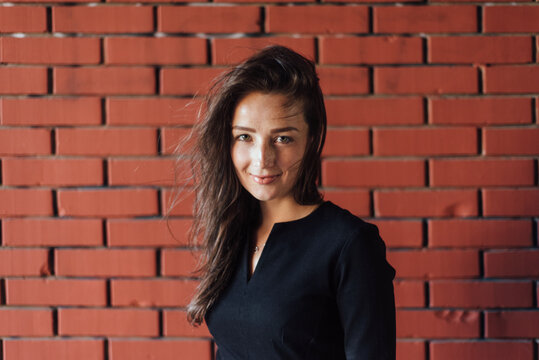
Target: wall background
433, 114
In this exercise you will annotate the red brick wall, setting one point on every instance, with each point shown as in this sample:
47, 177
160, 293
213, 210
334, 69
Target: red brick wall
433, 135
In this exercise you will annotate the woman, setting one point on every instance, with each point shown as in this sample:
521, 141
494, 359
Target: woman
284, 274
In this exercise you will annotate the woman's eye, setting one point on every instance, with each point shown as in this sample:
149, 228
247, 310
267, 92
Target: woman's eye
283, 139
243, 137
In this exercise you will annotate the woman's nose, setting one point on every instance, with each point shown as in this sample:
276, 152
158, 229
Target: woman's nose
264, 155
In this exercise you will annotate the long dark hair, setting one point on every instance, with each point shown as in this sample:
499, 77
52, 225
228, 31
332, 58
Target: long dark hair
225, 214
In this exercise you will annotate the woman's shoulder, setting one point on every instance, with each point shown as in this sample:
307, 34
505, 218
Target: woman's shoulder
343, 222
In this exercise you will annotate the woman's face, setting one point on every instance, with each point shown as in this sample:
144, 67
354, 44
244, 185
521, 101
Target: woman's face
268, 144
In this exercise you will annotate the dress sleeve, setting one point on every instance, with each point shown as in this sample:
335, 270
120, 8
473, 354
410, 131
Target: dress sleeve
365, 299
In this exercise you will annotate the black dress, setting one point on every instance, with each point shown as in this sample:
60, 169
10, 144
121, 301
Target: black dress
322, 289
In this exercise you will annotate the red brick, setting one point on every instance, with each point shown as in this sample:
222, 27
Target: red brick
373, 173
162, 292
346, 142
425, 79
50, 111
371, 50
27, 323
398, 233
102, 19
511, 19
151, 111
511, 141
187, 81
509, 202
160, 349
23, 80
50, 50
107, 203
512, 263
54, 349
435, 264
24, 262
175, 324
194, 19
344, 80
174, 140
327, 19
425, 141
410, 350
481, 294
104, 80
437, 324
52, 172
24, 202
374, 111
56, 292
507, 79
409, 293
480, 111
149, 172
142, 50
176, 262
108, 322
25, 141
355, 201
480, 233
106, 141
512, 324
175, 204
481, 172
23, 19
232, 51
162, 232
494, 350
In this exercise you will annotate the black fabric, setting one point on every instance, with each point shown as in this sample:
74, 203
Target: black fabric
322, 289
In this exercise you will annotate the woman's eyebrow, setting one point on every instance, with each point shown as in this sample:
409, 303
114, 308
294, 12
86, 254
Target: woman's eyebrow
277, 130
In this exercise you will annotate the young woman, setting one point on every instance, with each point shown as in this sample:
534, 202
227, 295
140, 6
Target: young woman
284, 274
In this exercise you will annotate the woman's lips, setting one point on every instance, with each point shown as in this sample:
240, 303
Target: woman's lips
264, 180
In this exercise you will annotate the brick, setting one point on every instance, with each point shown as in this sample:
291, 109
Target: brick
355, 201
232, 51
481, 294
410, 350
176, 262
437, 324
147, 172
25, 141
23, 80
481, 172
176, 140
424, 19
151, 111
160, 349
510, 141
480, 111
426, 79
50, 50
25, 202
52, 232
187, 81
27, 323
409, 293
423, 141
371, 50
434, 264
398, 233
373, 173
481, 233
512, 263
50, 111
512, 324
162, 292
54, 349
108, 322
327, 19
24, 262
177, 204
344, 81
508, 79
52, 172
509, 202
194, 19
346, 142
104, 80
495, 350
510, 18
375, 111
480, 49
23, 19
49, 292
143, 50
102, 19
106, 141
154, 233
175, 324
107, 203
